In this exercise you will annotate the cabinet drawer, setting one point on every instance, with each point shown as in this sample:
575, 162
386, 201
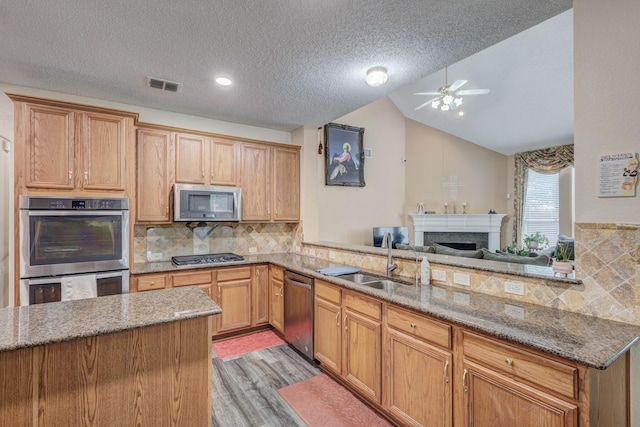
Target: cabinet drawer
155, 281
229, 274
330, 293
193, 278
277, 273
364, 305
521, 364
419, 326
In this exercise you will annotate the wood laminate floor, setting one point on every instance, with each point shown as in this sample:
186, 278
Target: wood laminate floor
245, 387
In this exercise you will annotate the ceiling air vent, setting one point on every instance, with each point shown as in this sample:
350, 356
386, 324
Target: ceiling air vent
163, 84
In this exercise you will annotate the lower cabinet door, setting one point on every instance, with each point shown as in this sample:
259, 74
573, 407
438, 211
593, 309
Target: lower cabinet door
234, 298
361, 349
491, 399
327, 335
417, 381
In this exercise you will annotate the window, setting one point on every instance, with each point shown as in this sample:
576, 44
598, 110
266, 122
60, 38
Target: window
542, 206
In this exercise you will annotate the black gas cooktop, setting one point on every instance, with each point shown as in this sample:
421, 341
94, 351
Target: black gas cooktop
206, 259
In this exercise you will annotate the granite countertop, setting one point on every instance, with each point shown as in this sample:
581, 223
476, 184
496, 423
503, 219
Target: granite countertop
591, 341
29, 326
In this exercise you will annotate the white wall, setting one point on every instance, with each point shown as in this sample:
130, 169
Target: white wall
348, 214
311, 172
607, 106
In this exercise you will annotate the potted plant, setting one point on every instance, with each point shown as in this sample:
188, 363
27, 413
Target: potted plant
536, 240
513, 249
561, 264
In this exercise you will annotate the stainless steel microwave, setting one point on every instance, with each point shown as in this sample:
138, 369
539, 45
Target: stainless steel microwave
207, 203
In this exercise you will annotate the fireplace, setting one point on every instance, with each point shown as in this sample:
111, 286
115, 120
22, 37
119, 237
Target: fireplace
482, 230
464, 246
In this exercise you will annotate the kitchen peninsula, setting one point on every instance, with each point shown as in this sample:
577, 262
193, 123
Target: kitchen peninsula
131, 359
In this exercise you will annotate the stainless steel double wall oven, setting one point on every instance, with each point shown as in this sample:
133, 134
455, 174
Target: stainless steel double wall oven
62, 237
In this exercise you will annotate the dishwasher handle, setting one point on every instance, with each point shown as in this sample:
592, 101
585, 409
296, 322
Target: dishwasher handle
296, 283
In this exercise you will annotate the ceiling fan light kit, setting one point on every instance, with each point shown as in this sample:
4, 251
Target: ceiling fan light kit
449, 97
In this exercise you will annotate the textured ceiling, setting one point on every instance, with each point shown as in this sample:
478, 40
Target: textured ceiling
294, 62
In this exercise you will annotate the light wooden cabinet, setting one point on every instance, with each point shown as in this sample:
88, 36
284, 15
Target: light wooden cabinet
276, 298
71, 149
327, 327
233, 295
362, 345
286, 184
261, 295
505, 386
256, 183
418, 377
206, 161
150, 282
155, 160
348, 337
270, 183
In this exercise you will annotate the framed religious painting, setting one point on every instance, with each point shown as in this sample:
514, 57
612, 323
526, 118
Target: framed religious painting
344, 155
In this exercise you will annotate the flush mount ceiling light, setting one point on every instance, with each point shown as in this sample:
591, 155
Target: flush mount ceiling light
223, 81
448, 97
376, 76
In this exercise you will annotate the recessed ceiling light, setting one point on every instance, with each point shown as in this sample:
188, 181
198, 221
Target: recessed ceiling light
223, 81
461, 113
376, 76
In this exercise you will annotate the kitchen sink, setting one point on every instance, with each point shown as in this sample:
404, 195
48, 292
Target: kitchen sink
369, 281
361, 279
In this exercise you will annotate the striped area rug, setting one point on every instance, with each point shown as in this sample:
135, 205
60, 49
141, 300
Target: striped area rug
246, 344
320, 402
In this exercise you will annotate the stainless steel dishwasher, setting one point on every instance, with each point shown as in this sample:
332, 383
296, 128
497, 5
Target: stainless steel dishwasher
298, 312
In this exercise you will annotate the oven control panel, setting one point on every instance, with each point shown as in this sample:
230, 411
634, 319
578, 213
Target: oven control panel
70, 203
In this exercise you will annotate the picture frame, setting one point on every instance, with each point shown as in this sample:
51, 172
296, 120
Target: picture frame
344, 155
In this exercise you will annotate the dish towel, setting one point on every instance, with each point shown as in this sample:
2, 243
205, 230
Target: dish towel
338, 271
79, 287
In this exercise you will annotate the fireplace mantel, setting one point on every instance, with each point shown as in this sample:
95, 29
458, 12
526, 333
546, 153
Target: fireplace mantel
486, 223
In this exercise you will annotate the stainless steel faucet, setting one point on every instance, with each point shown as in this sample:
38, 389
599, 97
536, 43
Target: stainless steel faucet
387, 243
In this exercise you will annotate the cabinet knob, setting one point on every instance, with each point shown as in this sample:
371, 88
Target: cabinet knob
446, 369
509, 362
413, 325
338, 319
464, 381
86, 177
70, 177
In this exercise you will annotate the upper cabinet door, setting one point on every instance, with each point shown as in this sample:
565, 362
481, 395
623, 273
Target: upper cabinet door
154, 176
104, 145
224, 162
49, 147
286, 184
191, 155
256, 184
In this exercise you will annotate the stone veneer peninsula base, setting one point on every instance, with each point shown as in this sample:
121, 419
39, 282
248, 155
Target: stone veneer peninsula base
156, 375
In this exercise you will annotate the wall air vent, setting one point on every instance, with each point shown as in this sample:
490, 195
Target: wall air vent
163, 84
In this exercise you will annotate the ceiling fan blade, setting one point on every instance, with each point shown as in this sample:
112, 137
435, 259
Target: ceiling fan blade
427, 93
426, 103
473, 92
457, 85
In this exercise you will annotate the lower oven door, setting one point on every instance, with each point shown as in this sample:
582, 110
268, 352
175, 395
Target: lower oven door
49, 289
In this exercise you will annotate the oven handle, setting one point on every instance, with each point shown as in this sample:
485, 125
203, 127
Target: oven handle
58, 279
78, 212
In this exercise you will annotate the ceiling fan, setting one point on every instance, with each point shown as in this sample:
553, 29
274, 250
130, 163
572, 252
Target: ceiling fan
449, 97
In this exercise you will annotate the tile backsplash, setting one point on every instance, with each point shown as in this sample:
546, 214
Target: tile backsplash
161, 242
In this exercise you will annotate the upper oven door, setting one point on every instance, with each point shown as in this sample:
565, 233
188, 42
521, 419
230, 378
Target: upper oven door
67, 242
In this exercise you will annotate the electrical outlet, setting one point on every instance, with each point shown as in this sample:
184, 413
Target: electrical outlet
253, 250
514, 311
461, 298
332, 255
461, 279
154, 256
516, 288
439, 275
438, 293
